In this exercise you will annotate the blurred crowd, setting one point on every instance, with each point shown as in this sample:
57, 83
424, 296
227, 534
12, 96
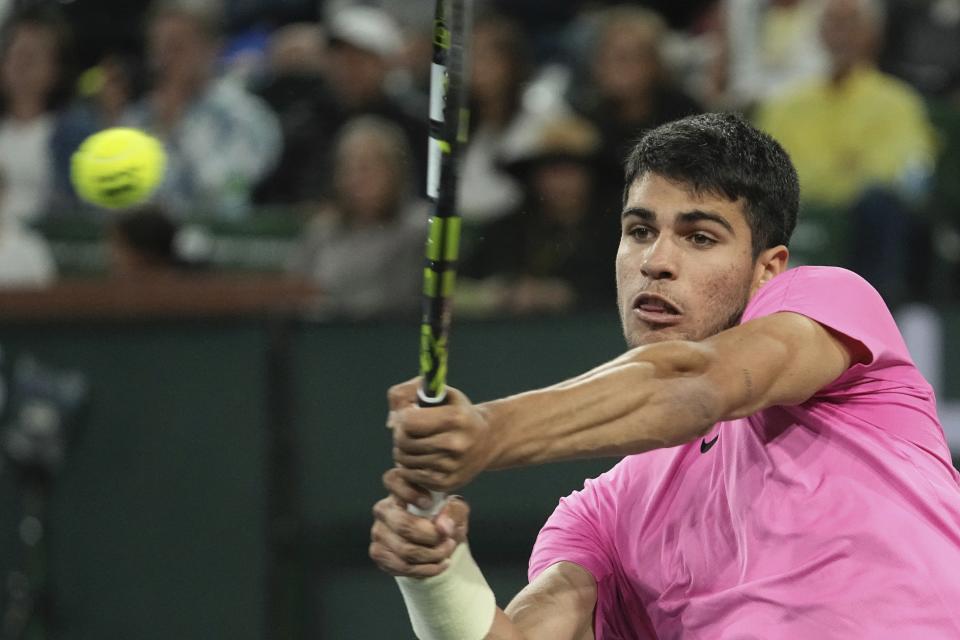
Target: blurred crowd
319, 112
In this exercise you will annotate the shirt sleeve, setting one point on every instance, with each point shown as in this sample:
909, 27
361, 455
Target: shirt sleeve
837, 299
845, 303
577, 532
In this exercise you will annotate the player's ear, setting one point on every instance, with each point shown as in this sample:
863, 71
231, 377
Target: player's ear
769, 264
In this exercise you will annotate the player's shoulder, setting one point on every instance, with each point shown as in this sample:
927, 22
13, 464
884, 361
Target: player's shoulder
814, 288
811, 279
827, 274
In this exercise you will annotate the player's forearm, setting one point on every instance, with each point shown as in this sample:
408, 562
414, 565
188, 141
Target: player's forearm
650, 398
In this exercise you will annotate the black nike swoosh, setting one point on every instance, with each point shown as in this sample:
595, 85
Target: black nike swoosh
706, 446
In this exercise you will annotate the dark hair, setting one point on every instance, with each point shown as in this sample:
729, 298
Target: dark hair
722, 154
52, 19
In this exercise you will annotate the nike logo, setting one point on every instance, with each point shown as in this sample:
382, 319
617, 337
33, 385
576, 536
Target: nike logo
706, 446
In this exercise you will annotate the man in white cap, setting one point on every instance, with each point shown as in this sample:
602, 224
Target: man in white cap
364, 43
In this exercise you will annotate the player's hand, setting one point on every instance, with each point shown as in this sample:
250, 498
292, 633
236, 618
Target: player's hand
440, 448
403, 544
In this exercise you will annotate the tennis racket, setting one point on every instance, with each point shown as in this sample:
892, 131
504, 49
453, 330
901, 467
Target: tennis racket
448, 134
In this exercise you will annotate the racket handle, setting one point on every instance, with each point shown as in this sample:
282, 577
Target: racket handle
439, 499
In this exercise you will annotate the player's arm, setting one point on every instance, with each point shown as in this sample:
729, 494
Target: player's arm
659, 395
557, 605
669, 393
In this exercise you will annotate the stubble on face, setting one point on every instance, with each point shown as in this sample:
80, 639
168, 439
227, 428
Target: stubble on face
724, 306
711, 286
718, 311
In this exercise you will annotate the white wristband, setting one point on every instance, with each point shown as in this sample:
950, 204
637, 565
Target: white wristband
458, 604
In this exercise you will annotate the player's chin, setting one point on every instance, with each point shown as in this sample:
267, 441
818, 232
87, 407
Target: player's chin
647, 333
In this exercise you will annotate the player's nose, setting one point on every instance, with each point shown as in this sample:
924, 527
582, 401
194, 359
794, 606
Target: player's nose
660, 261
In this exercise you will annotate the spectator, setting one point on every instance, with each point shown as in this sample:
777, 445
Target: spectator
34, 84
630, 89
25, 257
366, 248
409, 80
408, 12
768, 46
297, 91
554, 253
221, 141
364, 43
503, 125
861, 142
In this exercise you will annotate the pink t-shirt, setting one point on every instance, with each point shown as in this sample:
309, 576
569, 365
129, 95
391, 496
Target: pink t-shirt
836, 518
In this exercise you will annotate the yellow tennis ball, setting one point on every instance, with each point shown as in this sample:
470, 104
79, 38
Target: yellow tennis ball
118, 168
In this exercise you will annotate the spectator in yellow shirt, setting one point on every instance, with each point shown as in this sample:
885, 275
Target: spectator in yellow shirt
860, 140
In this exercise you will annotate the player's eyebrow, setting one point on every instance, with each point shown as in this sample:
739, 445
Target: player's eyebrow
687, 217
644, 214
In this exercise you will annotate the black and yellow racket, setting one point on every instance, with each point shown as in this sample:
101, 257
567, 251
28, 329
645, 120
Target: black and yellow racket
448, 134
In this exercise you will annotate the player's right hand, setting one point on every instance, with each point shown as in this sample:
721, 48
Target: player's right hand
440, 448
403, 544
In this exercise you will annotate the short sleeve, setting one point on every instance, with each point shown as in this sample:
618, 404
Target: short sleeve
843, 302
578, 532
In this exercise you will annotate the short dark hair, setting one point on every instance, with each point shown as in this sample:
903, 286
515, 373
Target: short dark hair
723, 154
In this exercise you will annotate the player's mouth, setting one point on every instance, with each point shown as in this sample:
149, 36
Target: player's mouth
655, 309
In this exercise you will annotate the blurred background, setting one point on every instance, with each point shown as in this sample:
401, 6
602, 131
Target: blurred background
192, 394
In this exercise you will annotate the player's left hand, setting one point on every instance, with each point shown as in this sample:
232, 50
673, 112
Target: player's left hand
440, 448
403, 544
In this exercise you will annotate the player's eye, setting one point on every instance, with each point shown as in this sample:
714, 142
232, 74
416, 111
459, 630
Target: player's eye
702, 240
640, 232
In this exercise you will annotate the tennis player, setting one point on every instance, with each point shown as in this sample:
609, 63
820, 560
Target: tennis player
786, 474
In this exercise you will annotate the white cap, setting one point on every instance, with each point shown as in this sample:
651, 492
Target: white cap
366, 28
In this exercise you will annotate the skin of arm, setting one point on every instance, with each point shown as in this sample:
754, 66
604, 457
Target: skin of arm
557, 605
657, 395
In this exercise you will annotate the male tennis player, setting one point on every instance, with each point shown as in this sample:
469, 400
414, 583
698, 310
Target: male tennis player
786, 474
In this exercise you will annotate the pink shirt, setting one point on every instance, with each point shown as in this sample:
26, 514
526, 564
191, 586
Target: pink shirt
837, 518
